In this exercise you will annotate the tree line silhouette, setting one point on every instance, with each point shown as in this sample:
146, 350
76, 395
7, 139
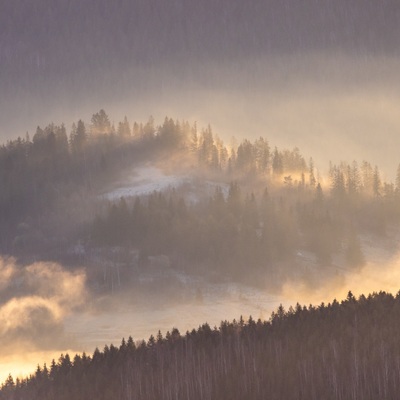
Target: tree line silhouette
346, 350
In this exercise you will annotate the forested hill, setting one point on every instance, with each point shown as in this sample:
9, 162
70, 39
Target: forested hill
265, 208
347, 350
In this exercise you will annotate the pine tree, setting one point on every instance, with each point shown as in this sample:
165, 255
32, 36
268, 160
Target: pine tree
124, 129
376, 182
100, 123
311, 176
277, 162
398, 180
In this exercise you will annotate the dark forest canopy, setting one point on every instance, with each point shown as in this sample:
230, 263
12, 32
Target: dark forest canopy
268, 203
346, 350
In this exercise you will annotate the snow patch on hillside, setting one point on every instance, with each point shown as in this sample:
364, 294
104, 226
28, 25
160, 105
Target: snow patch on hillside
148, 179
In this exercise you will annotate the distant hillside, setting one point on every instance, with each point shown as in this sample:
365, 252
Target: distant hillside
266, 207
347, 350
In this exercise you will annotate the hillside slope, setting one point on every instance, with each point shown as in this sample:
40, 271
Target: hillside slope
347, 350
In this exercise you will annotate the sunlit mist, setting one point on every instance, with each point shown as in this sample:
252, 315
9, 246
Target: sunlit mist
34, 301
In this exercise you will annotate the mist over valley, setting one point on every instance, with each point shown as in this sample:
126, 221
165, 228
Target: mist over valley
152, 227
196, 169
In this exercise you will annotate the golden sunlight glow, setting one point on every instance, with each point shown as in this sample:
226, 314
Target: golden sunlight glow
374, 277
24, 364
35, 300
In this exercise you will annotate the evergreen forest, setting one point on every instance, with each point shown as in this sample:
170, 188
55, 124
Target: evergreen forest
346, 350
247, 211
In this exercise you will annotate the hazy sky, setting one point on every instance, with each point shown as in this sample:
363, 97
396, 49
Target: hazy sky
301, 74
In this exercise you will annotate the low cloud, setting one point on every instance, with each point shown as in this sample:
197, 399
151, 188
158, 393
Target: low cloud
374, 277
34, 300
